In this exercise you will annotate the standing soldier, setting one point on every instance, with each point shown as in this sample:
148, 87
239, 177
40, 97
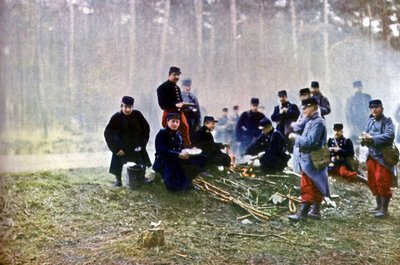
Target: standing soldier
271, 142
323, 102
314, 184
378, 134
127, 134
247, 126
340, 149
298, 128
192, 113
357, 110
204, 140
221, 134
284, 114
170, 100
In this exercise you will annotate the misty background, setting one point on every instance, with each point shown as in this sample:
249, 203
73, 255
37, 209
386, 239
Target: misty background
65, 64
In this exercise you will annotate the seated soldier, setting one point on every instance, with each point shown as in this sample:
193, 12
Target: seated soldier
127, 134
204, 140
341, 148
272, 142
176, 167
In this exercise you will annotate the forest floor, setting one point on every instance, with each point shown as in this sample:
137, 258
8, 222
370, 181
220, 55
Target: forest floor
76, 217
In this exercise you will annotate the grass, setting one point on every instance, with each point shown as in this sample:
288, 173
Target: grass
76, 217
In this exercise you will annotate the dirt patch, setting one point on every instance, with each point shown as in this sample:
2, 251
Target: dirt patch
76, 217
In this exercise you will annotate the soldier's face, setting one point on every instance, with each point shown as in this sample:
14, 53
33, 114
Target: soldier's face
173, 124
210, 125
376, 111
309, 111
126, 109
314, 90
224, 113
174, 77
254, 108
186, 89
304, 96
283, 99
338, 133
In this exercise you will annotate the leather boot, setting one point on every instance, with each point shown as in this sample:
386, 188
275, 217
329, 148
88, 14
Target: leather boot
383, 211
378, 205
315, 212
301, 215
118, 181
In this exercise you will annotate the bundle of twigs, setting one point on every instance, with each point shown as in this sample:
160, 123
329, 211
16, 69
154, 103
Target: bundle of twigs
225, 196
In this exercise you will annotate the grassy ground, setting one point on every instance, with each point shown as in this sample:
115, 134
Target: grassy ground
76, 217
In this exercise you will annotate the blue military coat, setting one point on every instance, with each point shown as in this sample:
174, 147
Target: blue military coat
313, 138
323, 104
346, 150
357, 112
247, 128
284, 120
173, 170
382, 131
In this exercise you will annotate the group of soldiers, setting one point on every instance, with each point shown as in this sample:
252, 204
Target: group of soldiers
300, 131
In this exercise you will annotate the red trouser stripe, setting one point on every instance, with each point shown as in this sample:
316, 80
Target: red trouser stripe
309, 192
183, 127
379, 179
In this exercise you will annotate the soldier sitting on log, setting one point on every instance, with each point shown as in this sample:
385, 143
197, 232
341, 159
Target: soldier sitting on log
272, 142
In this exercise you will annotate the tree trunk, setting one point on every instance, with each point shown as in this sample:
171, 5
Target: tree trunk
164, 37
198, 6
293, 19
233, 12
71, 60
132, 46
326, 45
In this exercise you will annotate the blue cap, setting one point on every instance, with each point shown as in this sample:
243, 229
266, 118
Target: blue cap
357, 84
127, 100
375, 103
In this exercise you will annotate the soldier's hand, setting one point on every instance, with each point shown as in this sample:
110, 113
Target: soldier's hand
120, 153
179, 105
292, 136
183, 156
138, 149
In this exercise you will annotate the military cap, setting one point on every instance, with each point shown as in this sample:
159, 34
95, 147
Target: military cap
337, 126
174, 69
375, 103
264, 122
236, 107
304, 91
187, 82
255, 101
357, 84
173, 115
225, 109
309, 102
209, 119
282, 93
314, 84
127, 100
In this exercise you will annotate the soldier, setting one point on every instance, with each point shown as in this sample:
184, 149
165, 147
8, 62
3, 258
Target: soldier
170, 100
221, 134
341, 148
176, 167
233, 119
379, 133
323, 102
192, 113
314, 183
397, 116
204, 140
357, 110
127, 134
247, 126
298, 127
284, 114
271, 142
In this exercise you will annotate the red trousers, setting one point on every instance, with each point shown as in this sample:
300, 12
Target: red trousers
379, 179
342, 171
309, 192
183, 126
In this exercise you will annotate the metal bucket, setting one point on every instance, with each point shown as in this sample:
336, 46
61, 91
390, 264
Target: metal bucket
136, 175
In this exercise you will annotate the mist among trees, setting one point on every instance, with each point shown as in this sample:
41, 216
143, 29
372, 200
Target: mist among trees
65, 64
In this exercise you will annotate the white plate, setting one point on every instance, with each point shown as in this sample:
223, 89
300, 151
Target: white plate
192, 151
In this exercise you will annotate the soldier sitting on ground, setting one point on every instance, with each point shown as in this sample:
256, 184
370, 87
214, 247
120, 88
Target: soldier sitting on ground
272, 142
204, 140
341, 149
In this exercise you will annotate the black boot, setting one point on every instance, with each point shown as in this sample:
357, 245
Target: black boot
378, 205
315, 212
118, 181
301, 214
383, 211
